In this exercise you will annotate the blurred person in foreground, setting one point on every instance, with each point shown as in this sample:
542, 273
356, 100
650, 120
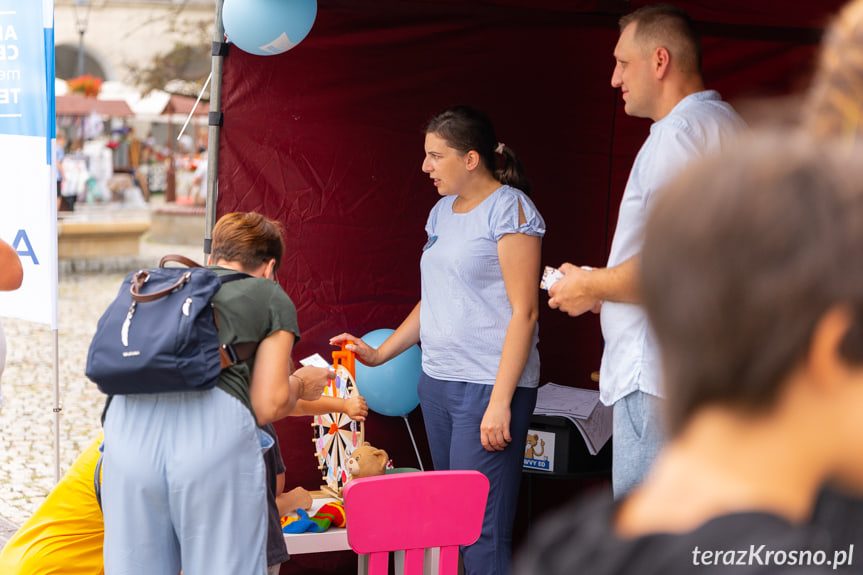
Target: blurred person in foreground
752, 291
833, 109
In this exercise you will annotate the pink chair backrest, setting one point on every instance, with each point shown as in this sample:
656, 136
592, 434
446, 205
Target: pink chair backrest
413, 512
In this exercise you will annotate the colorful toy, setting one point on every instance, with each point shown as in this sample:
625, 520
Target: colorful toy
330, 514
336, 435
367, 461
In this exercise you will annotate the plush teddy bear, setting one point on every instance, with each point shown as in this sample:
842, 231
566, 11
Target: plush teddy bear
367, 461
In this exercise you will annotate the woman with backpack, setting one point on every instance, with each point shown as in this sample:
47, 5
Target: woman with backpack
183, 477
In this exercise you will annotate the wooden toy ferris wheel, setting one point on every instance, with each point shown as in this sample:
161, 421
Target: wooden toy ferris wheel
335, 434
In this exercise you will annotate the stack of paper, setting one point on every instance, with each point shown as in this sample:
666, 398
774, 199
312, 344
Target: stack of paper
582, 407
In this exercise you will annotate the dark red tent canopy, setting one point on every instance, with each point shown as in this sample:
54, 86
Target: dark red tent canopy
327, 138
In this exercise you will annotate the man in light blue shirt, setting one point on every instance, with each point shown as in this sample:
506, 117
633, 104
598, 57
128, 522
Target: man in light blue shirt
658, 70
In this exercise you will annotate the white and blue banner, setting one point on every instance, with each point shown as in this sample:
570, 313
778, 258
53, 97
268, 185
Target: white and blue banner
28, 192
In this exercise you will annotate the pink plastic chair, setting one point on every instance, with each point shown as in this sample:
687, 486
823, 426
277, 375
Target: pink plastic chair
414, 512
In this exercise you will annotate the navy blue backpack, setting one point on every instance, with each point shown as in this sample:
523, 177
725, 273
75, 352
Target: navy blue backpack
160, 333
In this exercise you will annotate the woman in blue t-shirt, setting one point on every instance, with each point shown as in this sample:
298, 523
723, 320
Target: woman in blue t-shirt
477, 319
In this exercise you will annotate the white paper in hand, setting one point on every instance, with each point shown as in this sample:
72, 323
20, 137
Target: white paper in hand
315, 361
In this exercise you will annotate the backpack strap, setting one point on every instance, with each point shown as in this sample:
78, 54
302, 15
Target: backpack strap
235, 353
231, 354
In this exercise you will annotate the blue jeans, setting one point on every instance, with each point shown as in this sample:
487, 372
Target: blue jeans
638, 435
453, 411
183, 485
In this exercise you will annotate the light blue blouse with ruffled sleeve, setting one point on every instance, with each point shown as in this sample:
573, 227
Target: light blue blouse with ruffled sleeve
465, 310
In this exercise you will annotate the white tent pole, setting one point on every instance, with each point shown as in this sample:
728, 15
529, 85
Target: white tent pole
219, 49
57, 408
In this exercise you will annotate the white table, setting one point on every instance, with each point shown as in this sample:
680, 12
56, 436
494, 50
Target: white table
336, 539
333, 539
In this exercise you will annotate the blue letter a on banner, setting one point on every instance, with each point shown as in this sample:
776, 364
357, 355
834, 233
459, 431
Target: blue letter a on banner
22, 237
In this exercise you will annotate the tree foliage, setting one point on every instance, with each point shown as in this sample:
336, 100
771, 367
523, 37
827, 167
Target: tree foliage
181, 70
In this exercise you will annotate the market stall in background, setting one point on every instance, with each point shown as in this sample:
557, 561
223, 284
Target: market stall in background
124, 147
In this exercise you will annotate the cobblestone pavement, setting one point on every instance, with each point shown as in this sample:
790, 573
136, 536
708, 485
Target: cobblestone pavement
27, 469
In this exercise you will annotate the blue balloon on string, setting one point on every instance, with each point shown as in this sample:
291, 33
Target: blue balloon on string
390, 388
267, 27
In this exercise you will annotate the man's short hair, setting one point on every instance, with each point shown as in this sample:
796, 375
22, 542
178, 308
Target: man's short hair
744, 252
670, 27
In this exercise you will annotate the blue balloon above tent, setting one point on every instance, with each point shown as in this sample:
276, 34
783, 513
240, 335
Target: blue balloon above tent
267, 27
390, 388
